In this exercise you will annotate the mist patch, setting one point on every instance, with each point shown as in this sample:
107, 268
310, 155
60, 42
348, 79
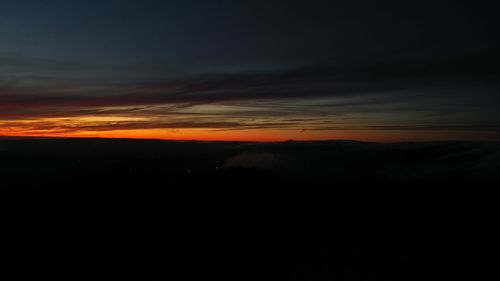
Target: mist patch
253, 160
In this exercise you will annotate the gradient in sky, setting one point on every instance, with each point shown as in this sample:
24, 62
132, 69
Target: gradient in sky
254, 70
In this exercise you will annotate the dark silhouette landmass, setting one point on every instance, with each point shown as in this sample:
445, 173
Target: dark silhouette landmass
329, 210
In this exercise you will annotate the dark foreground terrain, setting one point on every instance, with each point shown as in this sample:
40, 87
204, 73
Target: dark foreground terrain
334, 210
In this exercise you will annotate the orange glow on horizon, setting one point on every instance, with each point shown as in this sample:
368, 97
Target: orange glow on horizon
186, 134
255, 135
106, 127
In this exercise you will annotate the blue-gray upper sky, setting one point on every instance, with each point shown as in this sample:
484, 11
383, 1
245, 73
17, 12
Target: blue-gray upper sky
388, 65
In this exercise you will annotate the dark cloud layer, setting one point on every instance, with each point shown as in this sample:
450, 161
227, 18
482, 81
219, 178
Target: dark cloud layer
327, 81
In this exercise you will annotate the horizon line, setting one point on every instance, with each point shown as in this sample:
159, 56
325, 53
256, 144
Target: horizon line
5, 137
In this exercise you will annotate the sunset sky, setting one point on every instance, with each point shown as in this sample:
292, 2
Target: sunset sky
250, 70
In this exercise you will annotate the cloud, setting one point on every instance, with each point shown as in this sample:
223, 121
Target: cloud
345, 97
323, 81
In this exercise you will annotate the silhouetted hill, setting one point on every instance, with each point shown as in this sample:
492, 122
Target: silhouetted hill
338, 210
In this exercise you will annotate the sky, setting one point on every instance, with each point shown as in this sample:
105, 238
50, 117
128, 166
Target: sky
250, 70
